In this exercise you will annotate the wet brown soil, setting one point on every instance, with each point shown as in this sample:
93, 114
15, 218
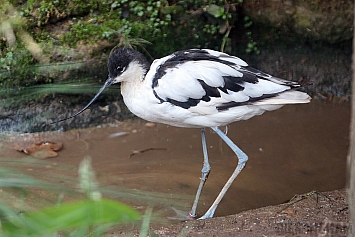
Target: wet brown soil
318, 214
293, 150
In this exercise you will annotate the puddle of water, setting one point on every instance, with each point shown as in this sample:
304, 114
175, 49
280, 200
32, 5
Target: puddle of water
296, 149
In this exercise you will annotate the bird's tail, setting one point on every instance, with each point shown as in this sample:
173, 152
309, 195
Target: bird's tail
287, 97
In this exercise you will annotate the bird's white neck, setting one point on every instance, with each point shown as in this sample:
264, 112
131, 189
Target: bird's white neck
132, 83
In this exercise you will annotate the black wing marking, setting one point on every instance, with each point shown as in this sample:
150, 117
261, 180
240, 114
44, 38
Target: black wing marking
228, 105
255, 74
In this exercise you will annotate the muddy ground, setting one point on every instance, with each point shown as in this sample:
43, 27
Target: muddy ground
313, 214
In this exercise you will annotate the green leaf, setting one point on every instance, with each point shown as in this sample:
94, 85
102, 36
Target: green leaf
84, 213
170, 9
215, 10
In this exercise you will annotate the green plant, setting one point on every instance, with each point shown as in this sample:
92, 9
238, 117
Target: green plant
18, 50
252, 44
7, 61
167, 25
81, 217
155, 14
221, 16
91, 216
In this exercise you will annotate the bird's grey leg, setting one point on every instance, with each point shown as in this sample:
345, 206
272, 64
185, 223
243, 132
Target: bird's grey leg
205, 171
242, 159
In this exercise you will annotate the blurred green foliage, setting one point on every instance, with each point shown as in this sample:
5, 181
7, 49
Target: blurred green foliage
90, 216
78, 217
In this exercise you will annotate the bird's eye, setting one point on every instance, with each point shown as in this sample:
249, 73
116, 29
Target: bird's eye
120, 68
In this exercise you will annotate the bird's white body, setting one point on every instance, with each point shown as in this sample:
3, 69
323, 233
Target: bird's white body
197, 88
180, 83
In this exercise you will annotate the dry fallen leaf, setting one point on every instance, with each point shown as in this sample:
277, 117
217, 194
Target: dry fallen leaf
41, 150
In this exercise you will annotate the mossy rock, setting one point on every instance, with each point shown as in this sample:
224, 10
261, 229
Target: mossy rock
329, 21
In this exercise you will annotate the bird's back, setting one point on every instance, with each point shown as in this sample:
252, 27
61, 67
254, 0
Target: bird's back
206, 88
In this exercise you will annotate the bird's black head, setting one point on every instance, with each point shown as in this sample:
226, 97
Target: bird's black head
123, 64
121, 59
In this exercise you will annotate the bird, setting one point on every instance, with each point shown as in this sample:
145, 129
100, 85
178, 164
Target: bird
197, 88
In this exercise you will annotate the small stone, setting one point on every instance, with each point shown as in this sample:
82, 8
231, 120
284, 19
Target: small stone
150, 125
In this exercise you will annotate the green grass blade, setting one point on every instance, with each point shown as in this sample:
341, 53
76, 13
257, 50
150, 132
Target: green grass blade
70, 215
